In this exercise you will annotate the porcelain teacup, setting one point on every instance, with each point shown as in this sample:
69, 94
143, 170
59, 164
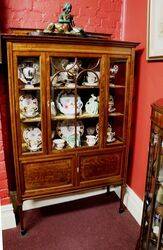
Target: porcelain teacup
58, 143
91, 79
91, 140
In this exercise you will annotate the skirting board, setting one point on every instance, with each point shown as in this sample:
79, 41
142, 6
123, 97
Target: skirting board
133, 203
8, 217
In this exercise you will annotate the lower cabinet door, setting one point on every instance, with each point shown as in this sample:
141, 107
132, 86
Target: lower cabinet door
101, 167
48, 176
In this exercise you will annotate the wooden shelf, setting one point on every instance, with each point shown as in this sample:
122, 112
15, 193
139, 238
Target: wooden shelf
64, 117
114, 142
85, 116
34, 119
78, 87
30, 89
62, 87
116, 86
88, 87
116, 114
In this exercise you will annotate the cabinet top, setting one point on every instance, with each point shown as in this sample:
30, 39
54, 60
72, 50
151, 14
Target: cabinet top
94, 39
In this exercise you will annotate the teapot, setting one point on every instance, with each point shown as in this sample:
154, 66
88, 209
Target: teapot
66, 103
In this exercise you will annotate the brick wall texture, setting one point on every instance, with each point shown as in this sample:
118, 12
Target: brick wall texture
92, 15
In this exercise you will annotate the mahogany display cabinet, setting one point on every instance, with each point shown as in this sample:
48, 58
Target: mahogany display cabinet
151, 236
70, 106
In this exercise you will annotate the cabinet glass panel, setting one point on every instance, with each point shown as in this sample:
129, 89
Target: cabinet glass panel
30, 103
154, 194
74, 100
116, 102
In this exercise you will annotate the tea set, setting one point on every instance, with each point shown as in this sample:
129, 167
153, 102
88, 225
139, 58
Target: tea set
29, 72
67, 74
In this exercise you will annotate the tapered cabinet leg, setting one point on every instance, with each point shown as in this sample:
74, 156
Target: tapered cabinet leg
122, 206
108, 189
21, 219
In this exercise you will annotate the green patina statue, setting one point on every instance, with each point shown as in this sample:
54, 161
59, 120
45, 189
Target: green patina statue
65, 23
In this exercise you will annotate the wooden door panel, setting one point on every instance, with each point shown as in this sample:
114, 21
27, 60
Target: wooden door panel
100, 165
57, 174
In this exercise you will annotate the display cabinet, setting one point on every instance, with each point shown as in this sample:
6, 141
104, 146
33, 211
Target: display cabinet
152, 219
70, 103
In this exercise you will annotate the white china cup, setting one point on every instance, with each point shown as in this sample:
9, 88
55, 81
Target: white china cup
91, 140
58, 143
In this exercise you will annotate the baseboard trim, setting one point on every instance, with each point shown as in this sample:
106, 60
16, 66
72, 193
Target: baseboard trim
133, 203
8, 217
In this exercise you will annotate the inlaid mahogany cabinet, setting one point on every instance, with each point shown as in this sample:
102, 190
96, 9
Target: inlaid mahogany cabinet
151, 236
70, 104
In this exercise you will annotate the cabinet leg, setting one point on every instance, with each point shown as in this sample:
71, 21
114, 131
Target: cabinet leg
122, 206
108, 189
21, 219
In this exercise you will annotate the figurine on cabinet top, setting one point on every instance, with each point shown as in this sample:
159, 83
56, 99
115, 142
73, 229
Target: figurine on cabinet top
65, 23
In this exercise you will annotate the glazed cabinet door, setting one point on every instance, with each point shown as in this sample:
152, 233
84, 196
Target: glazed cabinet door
118, 98
29, 102
74, 101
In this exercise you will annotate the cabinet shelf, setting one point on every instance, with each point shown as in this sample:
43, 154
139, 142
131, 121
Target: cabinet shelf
116, 114
115, 86
30, 89
82, 116
35, 119
78, 87
117, 141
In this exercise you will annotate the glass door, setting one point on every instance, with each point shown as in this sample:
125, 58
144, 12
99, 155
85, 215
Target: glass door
74, 101
28, 89
117, 93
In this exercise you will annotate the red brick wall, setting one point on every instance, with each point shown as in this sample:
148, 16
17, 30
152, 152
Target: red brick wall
92, 15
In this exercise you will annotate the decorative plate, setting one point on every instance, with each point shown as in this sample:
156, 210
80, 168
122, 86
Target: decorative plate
66, 103
33, 138
28, 106
29, 72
